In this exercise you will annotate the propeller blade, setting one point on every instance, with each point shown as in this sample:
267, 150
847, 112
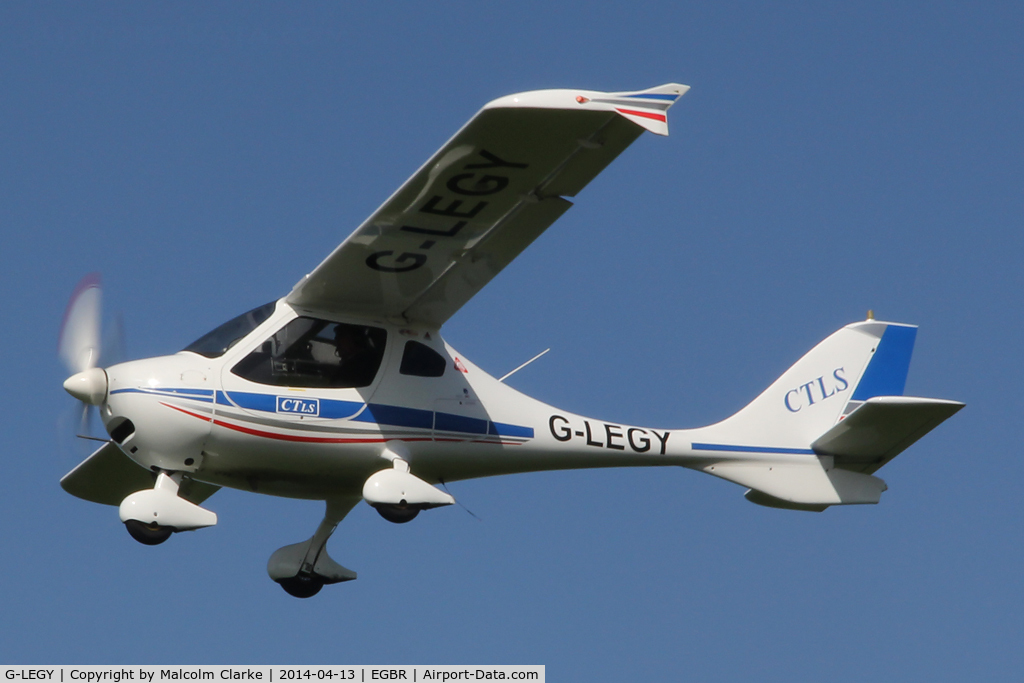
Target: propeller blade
114, 349
79, 345
85, 421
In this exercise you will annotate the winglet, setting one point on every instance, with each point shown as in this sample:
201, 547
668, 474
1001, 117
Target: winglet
646, 108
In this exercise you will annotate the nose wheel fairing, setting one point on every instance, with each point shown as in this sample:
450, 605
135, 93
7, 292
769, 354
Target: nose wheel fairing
163, 507
304, 568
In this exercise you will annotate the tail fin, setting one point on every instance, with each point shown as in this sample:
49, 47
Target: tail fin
859, 361
793, 445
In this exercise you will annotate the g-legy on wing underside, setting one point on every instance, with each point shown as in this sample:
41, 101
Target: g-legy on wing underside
479, 202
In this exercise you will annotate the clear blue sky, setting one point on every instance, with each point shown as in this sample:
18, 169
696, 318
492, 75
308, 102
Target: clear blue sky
830, 158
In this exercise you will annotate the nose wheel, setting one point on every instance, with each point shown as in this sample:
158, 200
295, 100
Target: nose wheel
302, 586
148, 534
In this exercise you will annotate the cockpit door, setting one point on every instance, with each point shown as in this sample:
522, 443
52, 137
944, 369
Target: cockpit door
308, 371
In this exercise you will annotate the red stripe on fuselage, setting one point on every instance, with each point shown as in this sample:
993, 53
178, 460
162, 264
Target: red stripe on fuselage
282, 437
311, 439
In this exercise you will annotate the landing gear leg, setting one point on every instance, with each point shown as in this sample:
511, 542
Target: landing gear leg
304, 568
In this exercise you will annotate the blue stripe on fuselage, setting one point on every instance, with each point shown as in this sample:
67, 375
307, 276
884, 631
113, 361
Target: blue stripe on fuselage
329, 408
446, 422
502, 429
203, 395
378, 413
750, 449
396, 416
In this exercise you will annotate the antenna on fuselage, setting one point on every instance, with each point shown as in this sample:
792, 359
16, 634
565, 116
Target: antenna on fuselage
524, 365
445, 487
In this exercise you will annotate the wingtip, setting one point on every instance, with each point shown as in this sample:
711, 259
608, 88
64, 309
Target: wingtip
649, 108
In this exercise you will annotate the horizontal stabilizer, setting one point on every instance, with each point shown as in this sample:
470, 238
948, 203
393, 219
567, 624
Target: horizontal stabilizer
108, 476
882, 428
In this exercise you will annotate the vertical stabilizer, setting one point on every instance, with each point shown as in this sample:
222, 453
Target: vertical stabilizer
815, 436
860, 361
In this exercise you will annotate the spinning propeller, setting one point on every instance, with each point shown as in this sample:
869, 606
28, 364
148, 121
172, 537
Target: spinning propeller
79, 347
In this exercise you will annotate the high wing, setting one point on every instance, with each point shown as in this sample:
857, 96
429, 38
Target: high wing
479, 201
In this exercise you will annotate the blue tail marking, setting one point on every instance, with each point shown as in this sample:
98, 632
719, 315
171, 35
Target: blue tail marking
886, 374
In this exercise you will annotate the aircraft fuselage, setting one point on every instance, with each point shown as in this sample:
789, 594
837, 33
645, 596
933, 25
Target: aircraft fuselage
197, 415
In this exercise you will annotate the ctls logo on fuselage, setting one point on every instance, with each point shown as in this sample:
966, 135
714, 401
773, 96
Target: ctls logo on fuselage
816, 391
299, 406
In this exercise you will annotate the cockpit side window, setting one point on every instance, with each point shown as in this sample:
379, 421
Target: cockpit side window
216, 343
316, 353
422, 361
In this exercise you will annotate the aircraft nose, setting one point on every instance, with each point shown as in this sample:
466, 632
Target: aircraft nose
89, 386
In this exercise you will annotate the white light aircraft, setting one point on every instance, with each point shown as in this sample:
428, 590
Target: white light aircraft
344, 390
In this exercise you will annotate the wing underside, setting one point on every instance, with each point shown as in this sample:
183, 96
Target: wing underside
478, 202
108, 476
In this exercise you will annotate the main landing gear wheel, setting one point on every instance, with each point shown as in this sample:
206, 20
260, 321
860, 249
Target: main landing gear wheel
148, 534
397, 514
302, 586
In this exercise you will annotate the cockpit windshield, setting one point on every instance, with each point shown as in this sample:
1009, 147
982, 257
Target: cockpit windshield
216, 343
316, 353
